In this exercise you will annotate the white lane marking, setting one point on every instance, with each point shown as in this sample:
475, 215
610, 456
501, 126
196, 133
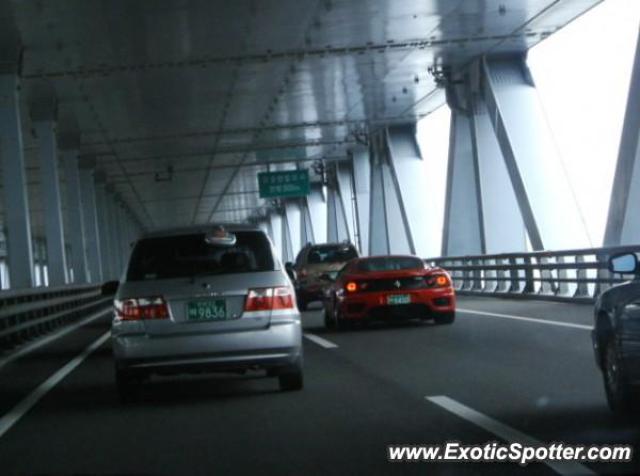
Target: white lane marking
50, 338
320, 341
505, 432
16, 413
529, 319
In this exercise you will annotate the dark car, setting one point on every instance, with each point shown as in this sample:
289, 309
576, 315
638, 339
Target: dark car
388, 288
616, 336
312, 262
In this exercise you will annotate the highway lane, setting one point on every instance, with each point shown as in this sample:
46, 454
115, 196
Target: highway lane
361, 395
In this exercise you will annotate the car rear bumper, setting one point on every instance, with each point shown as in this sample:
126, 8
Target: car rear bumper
278, 346
424, 303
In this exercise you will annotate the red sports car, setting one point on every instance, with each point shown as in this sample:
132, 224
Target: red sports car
388, 287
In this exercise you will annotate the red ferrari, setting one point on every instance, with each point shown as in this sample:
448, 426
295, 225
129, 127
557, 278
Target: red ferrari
388, 287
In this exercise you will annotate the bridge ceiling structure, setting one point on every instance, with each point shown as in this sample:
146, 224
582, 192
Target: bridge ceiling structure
182, 102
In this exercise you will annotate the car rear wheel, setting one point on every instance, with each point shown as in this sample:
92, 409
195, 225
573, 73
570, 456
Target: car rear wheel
445, 318
620, 394
339, 322
291, 380
329, 322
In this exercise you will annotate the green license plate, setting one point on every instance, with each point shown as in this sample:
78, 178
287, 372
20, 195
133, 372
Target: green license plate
210, 310
399, 299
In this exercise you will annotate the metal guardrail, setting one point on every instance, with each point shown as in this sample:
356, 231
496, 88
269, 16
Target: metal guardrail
29, 313
568, 275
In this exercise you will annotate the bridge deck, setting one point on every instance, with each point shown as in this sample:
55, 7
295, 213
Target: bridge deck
536, 376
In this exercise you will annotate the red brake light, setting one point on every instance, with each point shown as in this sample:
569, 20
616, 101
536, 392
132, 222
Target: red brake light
259, 300
137, 309
438, 280
351, 287
267, 299
282, 298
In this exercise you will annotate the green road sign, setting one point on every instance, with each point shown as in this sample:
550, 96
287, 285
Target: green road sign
289, 183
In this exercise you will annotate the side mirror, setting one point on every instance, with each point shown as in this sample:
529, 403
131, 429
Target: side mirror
288, 267
624, 263
110, 288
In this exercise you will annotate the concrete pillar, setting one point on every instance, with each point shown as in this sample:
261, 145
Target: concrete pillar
388, 228
74, 211
410, 181
294, 223
503, 228
378, 229
14, 185
361, 183
276, 233
306, 228
462, 229
317, 207
114, 234
104, 225
336, 220
547, 205
287, 247
623, 223
45, 129
90, 221
344, 181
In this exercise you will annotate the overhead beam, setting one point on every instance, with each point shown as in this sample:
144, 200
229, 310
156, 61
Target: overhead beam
222, 132
226, 150
296, 55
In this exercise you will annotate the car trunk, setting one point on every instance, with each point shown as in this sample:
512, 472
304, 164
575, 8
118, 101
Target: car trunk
206, 304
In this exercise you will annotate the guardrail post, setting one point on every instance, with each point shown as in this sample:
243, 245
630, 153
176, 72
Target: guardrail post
529, 283
502, 285
547, 285
476, 284
582, 288
562, 287
603, 274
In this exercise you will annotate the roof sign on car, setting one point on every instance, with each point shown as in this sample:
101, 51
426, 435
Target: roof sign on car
220, 236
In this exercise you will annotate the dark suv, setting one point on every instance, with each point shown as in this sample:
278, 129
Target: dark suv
314, 261
616, 336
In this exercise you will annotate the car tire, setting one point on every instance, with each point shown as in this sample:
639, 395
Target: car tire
291, 381
128, 386
620, 394
329, 323
445, 318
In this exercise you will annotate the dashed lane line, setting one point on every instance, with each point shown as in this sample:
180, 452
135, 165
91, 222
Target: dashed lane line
320, 341
505, 432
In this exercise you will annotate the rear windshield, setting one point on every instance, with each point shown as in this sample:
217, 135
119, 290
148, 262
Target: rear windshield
333, 254
190, 255
390, 264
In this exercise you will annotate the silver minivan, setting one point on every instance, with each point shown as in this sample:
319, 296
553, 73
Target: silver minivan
208, 298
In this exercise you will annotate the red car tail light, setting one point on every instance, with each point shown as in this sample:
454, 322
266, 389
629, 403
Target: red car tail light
438, 281
351, 287
283, 298
138, 309
259, 300
267, 299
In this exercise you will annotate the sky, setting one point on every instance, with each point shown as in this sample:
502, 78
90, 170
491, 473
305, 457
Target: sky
582, 76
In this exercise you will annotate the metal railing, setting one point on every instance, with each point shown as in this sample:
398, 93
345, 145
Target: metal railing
29, 313
568, 275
